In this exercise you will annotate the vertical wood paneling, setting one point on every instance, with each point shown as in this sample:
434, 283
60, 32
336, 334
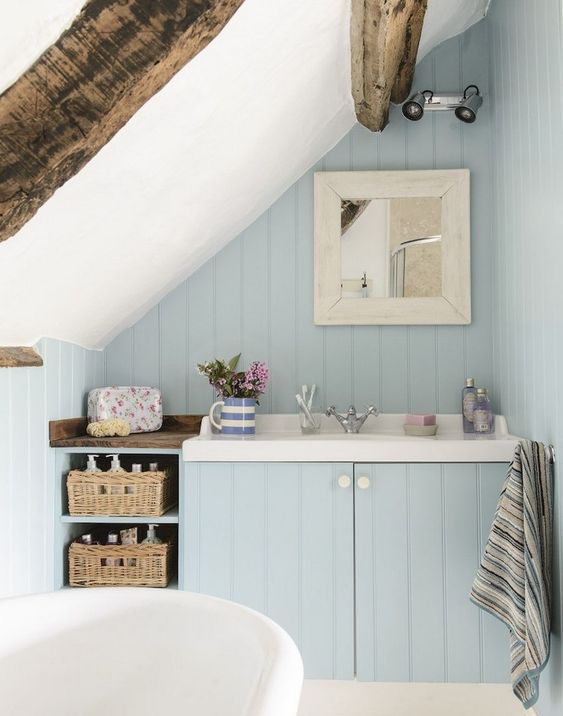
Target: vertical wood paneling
279, 538
146, 350
461, 542
284, 562
228, 300
66, 372
78, 380
310, 349
427, 572
39, 477
201, 336
119, 359
282, 298
255, 310
215, 541
250, 535
174, 348
420, 530
19, 526
383, 623
527, 219
29, 398
257, 294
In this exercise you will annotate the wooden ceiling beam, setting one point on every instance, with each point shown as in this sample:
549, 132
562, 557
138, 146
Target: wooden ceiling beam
385, 35
115, 56
19, 357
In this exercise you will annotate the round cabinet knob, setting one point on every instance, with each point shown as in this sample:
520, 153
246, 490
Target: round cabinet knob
344, 481
363, 482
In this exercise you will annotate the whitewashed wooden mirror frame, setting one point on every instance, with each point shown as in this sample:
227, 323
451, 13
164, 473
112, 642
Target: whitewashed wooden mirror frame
452, 307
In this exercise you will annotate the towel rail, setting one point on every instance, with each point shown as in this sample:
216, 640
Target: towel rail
551, 451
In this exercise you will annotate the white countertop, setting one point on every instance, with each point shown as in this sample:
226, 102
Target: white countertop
278, 439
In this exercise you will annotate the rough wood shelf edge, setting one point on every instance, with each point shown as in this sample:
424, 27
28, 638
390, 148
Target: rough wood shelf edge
71, 432
19, 357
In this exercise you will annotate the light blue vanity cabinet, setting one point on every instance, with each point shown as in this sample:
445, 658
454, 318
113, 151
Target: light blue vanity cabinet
419, 534
368, 567
278, 537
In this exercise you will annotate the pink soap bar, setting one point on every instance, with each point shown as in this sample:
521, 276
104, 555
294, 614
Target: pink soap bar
419, 419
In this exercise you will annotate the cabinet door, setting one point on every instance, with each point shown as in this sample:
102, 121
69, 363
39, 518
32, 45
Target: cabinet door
420, 531
278, 537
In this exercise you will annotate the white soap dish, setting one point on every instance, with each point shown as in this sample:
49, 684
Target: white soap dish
420, 430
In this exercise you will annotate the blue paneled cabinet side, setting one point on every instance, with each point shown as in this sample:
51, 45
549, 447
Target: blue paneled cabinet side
278, 538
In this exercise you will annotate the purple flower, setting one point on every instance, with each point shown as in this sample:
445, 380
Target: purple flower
230, 383
256, 377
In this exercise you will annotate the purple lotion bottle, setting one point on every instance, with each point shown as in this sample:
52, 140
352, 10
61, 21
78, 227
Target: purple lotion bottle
468, 401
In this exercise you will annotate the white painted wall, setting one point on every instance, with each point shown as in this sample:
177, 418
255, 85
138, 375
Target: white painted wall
29, 398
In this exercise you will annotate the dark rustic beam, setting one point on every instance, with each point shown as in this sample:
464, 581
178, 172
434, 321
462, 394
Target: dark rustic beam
384, 40
19, 357
115, 56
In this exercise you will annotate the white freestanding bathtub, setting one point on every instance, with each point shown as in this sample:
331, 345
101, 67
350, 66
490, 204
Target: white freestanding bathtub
141, 652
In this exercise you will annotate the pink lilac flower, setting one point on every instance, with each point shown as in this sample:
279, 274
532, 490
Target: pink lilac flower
256, 377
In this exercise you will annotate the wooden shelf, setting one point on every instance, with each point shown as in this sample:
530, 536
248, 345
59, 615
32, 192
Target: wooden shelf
175, 429
170, 518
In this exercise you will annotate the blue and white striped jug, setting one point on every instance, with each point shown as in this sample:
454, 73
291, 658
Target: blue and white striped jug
238, 416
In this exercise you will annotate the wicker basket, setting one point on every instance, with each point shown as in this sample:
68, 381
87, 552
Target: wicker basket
136, 565
146, 494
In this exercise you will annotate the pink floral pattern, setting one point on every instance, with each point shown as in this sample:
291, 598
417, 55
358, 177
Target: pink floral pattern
141, 407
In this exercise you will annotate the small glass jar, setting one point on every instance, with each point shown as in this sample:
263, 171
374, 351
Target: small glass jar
309, 411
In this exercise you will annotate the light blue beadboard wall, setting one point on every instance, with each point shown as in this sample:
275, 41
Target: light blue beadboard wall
257, 294
29, 398
527, 161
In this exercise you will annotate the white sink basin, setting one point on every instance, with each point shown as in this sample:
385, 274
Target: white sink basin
279, 439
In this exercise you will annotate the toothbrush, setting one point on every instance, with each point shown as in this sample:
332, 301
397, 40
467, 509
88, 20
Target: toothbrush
313, 389
304, 408
304, 392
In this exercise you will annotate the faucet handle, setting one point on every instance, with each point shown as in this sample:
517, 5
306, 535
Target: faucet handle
372, 410
331, 411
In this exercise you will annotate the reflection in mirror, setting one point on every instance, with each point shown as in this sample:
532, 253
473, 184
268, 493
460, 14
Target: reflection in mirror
391, 247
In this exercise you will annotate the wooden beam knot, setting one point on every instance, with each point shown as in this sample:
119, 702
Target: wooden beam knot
385, 35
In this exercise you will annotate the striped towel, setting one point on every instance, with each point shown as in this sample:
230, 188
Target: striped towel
513, 581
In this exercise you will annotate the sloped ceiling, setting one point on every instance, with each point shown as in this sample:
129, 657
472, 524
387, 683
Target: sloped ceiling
198, 163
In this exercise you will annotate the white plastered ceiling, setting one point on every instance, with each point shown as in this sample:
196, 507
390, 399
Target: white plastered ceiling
195, 166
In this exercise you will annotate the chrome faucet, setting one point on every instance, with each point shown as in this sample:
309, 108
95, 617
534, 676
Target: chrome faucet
351, 422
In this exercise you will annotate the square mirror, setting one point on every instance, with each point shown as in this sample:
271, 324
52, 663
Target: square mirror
392, 247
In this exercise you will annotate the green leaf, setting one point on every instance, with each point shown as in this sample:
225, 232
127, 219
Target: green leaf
233, 362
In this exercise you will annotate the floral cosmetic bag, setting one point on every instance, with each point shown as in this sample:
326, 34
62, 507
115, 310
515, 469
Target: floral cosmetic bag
140, 406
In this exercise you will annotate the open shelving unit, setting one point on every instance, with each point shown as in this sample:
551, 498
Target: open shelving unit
71, 448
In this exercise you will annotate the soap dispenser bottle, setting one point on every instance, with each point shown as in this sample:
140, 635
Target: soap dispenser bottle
115, 464
468, 400
91, 464
151, 537
483, 418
